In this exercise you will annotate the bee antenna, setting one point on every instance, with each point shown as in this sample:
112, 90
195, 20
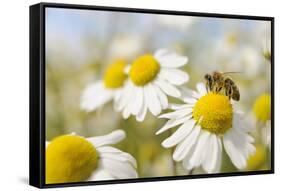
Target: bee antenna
232, 72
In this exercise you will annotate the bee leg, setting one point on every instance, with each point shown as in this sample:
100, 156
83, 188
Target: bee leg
226, 92
206, 86
229, 92
211, 87
218, 89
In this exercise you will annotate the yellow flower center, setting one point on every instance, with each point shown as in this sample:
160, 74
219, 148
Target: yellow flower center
257, 160
114, 75
214, 113
144, 69
262, 107
70, 158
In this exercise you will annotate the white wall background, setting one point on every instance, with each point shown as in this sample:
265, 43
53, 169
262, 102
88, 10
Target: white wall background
14, 88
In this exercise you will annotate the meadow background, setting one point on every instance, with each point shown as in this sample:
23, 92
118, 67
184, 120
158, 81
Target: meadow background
80, 44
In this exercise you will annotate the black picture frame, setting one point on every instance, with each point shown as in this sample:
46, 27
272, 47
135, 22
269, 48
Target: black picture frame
37, 93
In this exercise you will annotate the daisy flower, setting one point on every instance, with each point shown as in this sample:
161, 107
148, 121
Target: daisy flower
265, 32
151, 79
208, 123
178, 22
262, 113
126, 46
72, 158
102, 91
257, 161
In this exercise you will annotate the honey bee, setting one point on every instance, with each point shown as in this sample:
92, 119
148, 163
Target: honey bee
218, 81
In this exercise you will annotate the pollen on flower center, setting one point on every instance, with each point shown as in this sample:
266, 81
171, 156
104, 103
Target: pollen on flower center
114, 75
70, 158
262, 107
214, 113
144, 69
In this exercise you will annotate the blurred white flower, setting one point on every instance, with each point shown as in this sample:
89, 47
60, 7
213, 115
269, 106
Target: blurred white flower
207, 120
176, 22
249, 61
266, 48
125, 46
72, 158
102, 91
263, 34
262, 113
227, 44
231, 53
151, 79
266, 134
258, 160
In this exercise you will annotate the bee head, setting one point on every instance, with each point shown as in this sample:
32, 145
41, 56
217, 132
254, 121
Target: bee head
216, 75
208, 77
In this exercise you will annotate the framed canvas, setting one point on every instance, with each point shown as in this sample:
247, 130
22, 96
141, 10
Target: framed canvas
121, 95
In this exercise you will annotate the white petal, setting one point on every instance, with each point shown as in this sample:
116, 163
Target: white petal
162, 97
131, 102
47, 144
250, 150
239, 122
266, 134
189, 93
201, 88
116, 154
218, 161
184, 147
111, 138
108, 149
136, 107
174, 76
172, 123
120, 170
101, 174
181, 133
94, 96
123, 158
234, 147
126, 94
212, 154
189, 100
151, 99
126, 112
177, 114
170, 59
117, 98
240, 127
141, 115
247, 140
186, 161
168, 88
200, 149
174, 106
127, 69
